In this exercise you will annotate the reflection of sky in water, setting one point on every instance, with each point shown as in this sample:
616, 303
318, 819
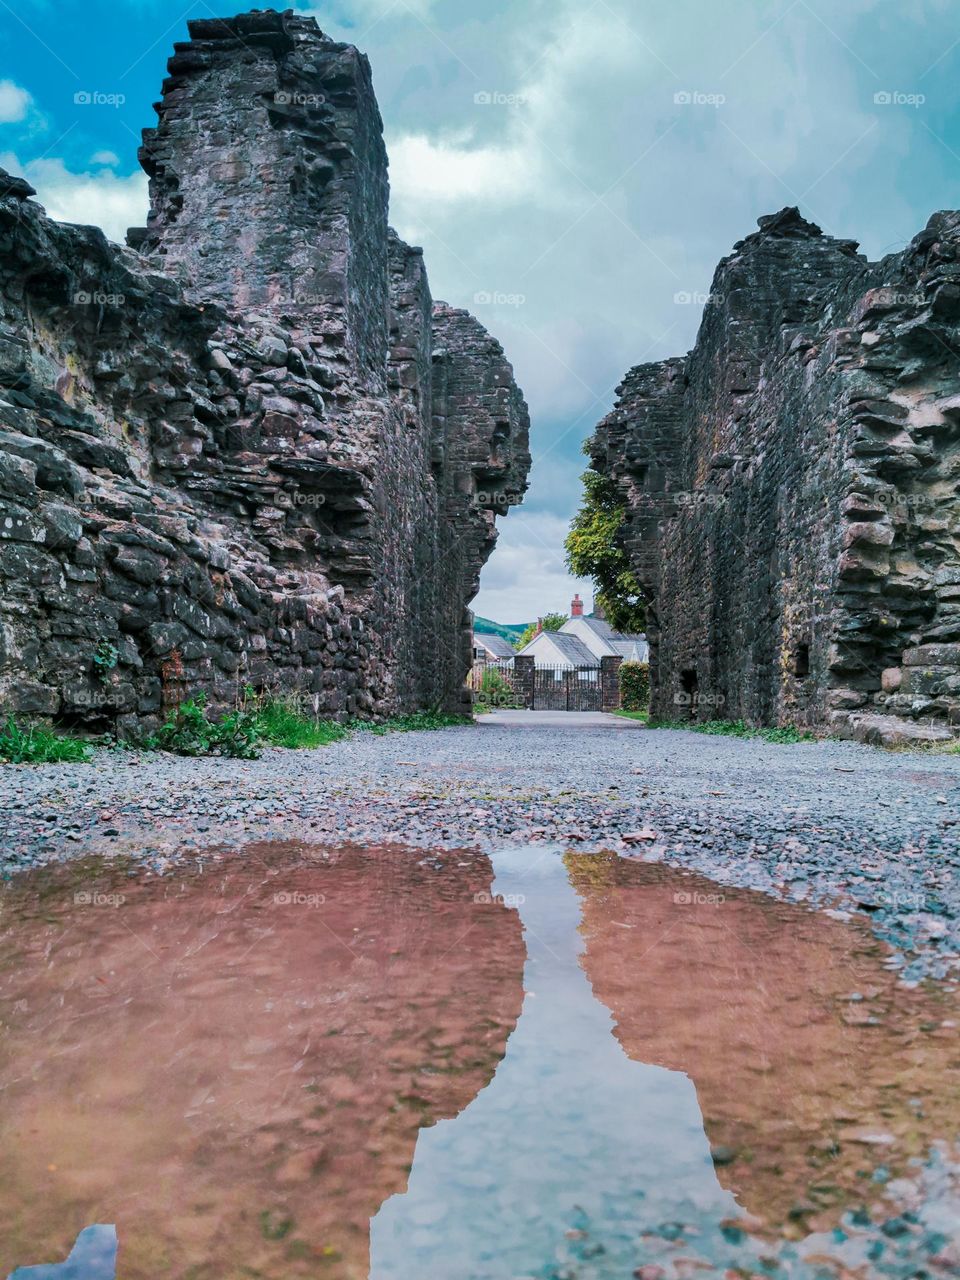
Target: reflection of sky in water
93, 1257
574, 1161
570, 1136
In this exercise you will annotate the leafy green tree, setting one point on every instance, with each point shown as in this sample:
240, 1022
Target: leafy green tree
594, 550
549, 622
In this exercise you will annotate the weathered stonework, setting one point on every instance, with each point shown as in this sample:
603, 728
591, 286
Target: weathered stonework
249, 449
792, 489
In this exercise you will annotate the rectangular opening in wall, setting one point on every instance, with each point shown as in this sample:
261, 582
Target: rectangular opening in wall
688, 692
801, 661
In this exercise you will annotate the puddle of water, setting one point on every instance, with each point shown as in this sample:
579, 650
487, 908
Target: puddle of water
353, 1063
93, 1257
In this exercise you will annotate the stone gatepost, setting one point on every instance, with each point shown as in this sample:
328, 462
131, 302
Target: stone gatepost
610, 684
523, 678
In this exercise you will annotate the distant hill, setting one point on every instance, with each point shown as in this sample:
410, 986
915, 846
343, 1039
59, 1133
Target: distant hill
505, 630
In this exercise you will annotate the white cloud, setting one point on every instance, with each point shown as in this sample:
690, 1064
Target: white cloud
103, 199
109, 158
360, 11
453, 169
14, 102
526, 576
528, 116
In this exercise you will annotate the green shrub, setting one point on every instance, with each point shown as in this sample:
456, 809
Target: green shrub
494, 690
39, 744
634, 686
189, 731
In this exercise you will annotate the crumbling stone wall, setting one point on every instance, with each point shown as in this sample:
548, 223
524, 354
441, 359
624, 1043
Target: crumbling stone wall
791, 489
248, 449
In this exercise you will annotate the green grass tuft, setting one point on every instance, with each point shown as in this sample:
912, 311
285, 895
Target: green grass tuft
191, 730
643, 716
415, 722
281, 723
39, 744
785, 734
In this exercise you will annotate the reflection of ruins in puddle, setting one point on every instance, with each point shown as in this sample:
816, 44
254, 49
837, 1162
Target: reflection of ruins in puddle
570, 1148
236, 1066
233, 1065
813, 1065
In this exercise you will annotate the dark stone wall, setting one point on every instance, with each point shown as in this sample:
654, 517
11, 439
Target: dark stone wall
791, 489
250, 450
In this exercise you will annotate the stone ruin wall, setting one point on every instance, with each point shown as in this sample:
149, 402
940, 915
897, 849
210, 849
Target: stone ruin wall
792, 489
249, 449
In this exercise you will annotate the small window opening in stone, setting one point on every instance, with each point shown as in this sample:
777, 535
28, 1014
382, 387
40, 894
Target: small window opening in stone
688, 690
801, 662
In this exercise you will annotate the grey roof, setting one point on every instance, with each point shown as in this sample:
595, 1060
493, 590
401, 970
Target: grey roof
620, 642
626, 645
573, 650
494, 645
599, 626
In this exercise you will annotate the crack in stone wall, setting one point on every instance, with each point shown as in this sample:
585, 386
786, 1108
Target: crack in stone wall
247, 449
792, 489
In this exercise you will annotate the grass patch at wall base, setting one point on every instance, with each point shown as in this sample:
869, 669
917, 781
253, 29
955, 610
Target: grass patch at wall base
737, 729
37, 743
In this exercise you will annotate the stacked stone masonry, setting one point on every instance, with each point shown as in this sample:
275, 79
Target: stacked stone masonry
247, 450
791, 489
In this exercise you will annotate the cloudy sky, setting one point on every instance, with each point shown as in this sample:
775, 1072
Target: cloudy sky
574, 170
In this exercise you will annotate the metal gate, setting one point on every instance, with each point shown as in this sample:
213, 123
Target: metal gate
566, 689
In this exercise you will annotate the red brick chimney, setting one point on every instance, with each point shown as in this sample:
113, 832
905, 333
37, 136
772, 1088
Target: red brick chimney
576, 606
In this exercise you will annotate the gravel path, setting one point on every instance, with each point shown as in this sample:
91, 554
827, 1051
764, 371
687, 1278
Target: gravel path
838, 824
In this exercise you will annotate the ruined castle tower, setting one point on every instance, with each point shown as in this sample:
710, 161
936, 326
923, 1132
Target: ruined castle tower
791, 489
268, 180
249, 449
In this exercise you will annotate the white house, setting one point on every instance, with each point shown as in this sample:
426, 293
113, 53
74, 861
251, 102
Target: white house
554, 649
597, 635
582, 642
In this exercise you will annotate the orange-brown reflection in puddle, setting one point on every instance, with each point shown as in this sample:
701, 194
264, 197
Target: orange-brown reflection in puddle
804, 1092
233, 1065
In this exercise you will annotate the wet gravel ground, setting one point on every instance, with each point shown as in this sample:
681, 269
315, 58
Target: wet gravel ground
843, 826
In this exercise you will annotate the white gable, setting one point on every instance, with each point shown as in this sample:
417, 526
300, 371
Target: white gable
587, 635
